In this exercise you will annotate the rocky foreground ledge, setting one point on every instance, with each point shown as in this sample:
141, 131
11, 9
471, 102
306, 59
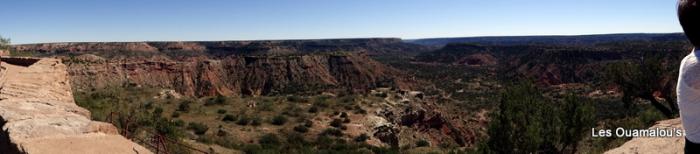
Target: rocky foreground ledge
38, 113
661, 145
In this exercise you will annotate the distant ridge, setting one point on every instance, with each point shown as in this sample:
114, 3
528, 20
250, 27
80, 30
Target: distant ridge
367, 45
552, 39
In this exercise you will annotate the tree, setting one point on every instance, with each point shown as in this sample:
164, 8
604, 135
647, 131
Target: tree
577, 116
524, 123
643, 77
528, 122
4, 43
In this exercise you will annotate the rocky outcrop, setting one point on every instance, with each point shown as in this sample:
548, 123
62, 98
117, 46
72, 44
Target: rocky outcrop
659, 145
38, 114
239, 75
408, 118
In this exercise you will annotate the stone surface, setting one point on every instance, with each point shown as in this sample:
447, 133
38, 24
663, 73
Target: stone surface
660, 145
38, 114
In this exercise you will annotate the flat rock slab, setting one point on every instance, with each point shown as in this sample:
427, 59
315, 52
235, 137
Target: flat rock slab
655, 145
97, 143
38, 114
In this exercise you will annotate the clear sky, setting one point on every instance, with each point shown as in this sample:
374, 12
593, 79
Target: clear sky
36, 21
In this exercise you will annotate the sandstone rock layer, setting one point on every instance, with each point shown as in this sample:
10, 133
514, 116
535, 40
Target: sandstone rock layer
656, 145
239, 75
38, 114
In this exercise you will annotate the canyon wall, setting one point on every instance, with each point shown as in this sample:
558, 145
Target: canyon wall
239, 75
207, 68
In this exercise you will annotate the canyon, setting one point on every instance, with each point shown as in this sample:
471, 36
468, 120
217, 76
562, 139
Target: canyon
372, 85
232, 68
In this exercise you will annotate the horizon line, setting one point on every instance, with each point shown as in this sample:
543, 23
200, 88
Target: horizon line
350, 38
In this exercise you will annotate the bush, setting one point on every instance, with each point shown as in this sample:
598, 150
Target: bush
218, 100
229, 118
167, 128
337, 123
295, 98
361, 138
269, 141
243, 121
179, 122
158, 112
313, 109
308, 123
198, 128
301, 129
148, 106
332, 132
184, 106
279, 120
221, 111
255, 122
359, 110
422, 143
175, 114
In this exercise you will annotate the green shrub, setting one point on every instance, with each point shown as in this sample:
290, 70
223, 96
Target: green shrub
337, 123
279, 120
243, 120
169, 129
308, 123
148, 106
175, 114
158, 111
229, 118
256, 121
221, 111
269, 141
218, 100
301, 129
266, 105
362, 138
295, 98
198, 128
332, 132
313, 109
184, 106
179, 122
422, 143
359, 110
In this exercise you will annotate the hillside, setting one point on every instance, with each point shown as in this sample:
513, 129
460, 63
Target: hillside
552, 40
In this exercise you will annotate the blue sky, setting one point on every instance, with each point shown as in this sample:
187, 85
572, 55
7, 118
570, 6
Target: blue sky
36, 21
